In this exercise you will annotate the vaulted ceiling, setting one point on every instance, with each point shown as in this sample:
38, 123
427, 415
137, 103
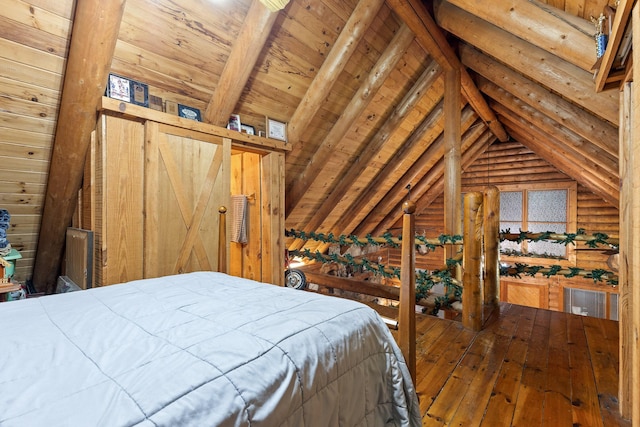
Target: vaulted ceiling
360, 84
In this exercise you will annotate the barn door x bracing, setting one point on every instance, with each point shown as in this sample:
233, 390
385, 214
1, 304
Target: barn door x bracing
186, 181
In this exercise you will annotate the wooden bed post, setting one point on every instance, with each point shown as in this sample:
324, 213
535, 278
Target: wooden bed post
471, 259
407, 315
222, 240
491, 246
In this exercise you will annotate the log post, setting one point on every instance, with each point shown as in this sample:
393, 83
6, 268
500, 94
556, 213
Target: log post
93, 39
491, 246
407, 315
222, 240
471, 260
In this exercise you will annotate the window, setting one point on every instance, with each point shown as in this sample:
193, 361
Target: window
539, 208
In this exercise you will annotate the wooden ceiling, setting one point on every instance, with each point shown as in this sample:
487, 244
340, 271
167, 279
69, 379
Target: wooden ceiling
360, 83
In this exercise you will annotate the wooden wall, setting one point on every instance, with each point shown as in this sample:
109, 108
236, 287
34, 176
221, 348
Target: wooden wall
33, 48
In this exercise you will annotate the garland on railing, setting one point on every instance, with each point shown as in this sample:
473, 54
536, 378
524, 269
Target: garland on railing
453, 288
385, 239
424, 281
348, 259
593, 241
598, 275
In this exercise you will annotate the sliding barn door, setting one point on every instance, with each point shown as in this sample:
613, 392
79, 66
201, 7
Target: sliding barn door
186, 181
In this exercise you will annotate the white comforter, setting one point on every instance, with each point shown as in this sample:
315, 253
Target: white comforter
200, 349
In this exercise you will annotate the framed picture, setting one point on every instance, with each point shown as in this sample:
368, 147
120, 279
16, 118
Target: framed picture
276, 129
155, 103
171, 107
139, 93
189, 113
249, 130
234, 122
119, 88
127, 90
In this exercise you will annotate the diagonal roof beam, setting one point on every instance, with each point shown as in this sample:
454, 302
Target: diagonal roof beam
347, 42
376, 78
562, 156
432, 39
583, 123
607, 163
245, 52
554, 30
546, 69
93, 39
394, 197
432, 184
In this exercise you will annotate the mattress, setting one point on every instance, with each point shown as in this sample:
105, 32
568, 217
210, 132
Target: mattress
200, 349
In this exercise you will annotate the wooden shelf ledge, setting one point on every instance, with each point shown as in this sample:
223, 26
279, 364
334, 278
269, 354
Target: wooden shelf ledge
238, 139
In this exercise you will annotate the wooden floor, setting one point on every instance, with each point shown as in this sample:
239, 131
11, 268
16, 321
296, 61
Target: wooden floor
527, 367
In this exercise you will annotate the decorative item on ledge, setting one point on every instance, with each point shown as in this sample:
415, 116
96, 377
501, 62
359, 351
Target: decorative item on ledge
234, 123
249, 130
276, 129
155, 103
171, 107
127, 90
189, 112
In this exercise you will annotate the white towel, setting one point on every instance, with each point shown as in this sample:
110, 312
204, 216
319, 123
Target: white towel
239, 219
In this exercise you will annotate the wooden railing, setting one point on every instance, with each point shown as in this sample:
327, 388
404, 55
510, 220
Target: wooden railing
480, 249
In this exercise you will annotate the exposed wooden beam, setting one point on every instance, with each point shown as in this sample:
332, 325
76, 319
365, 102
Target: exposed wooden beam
432, 184
452, 155
432, 39
629, 271
389, 204
604, 162
376, 188
561, 156
347, 42
583, 123
544, 68
554, 30
471, 153
242, 59
376, 78
93, 38
629, 326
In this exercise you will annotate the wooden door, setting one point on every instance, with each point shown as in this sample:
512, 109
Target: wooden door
186, 181
118, 182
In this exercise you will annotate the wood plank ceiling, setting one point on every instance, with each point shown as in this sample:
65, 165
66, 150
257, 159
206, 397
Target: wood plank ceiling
360, 84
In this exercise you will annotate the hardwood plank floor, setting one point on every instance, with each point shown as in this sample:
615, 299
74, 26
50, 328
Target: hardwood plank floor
527, 367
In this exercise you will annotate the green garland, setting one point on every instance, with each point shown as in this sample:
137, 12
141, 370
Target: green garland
593, 241
453, 289
424, 281
598, 275
387, 239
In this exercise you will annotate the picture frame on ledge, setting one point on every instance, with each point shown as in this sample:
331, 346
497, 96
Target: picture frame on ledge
249, 130
276, 129
127, 90
189, 112
234, 123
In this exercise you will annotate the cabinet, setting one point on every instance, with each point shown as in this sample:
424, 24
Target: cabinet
153, 185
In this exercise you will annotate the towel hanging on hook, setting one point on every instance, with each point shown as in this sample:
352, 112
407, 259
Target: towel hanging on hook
239, 218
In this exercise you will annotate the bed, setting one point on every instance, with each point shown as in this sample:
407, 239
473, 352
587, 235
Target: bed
200, 349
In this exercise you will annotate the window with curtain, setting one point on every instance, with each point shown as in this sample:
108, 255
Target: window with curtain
538, 209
